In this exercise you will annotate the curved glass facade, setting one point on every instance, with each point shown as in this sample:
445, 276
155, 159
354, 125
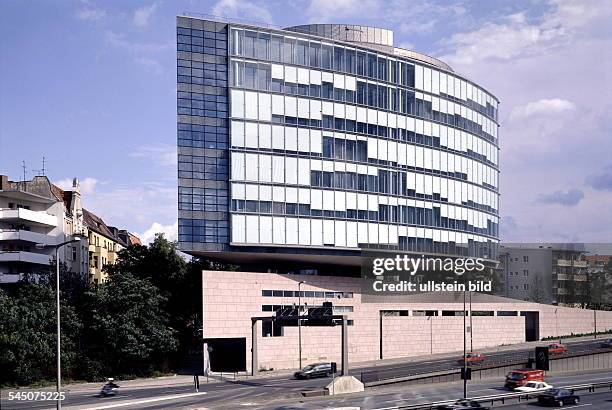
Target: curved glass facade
308, 144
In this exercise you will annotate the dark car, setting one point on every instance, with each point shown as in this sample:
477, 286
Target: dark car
314, 370
462, 404
606, 344
558, 397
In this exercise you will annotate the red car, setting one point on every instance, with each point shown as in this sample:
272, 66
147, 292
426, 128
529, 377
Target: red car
472, 358
557, 348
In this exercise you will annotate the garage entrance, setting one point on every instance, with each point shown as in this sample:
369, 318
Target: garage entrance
532, 326
227, 354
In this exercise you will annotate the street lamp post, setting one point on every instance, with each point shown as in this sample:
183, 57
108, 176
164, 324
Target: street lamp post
300, 321
464, 351
557, 326
471, 326
57, 308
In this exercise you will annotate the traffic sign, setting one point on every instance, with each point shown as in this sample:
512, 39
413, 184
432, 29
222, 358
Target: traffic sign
542, 358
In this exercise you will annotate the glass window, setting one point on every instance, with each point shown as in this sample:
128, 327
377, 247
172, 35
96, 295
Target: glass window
276, 45
288, 50
250, 74
326, 56
315, 55
339, 58
382, 68
263, 46
248, 44
264, 76
361, 63
350, 61
302, 53
372, 66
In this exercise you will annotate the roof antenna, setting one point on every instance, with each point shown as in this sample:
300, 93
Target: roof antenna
23, 166
41, 171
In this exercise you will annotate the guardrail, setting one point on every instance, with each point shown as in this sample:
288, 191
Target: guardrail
503, 398
519, 358
396, 372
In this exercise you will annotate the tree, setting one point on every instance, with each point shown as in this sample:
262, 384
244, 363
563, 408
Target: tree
128, 330
600, 288
178, 280
537, 291
28, 335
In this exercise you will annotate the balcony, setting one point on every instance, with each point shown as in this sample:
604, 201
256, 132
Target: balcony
28, 217
25, 257
9, 277
27, 236
567, 262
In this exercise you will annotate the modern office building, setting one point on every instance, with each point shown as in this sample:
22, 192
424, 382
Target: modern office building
302, 149
544, 273
313, 144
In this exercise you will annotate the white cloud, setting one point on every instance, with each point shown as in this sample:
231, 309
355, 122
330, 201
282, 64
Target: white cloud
90, 14
501, 41
242, 9
517, 18
170, 232
133, 206
150, 64
147, 55
406, 45
415, 27
119, 40
88, 185
322, 11
414, 17
514, 36
549, 71
158, 153
543, 107
143, 14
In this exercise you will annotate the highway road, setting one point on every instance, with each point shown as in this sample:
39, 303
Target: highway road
437, 392
598, 401
215, 391
254, 391
272, 393
520, 355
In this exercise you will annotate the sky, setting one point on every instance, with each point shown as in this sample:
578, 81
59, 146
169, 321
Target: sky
91, 86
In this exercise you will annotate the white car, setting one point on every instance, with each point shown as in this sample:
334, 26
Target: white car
533, 387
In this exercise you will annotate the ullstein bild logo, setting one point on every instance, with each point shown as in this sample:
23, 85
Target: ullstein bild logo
389, 271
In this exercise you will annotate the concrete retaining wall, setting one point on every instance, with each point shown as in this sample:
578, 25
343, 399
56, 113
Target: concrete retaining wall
230, 299
595, 361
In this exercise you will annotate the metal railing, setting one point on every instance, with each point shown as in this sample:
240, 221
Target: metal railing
505, 397
226, 19
518, 358
450, 366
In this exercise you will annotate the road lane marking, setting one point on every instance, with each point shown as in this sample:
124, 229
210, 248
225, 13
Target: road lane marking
146, 401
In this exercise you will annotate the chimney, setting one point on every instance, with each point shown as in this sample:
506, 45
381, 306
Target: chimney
4, 183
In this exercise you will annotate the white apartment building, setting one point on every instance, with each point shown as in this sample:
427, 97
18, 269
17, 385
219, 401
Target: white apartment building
35, 215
